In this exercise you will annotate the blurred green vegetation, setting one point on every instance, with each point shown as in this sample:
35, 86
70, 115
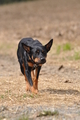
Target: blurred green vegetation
64, 47
11, 1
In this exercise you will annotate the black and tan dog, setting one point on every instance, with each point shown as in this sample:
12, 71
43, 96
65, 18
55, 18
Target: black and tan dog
31, 55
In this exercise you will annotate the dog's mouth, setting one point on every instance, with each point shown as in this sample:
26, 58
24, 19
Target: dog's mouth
40, 61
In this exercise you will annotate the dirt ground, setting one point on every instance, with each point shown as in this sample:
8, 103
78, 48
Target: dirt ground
58, 88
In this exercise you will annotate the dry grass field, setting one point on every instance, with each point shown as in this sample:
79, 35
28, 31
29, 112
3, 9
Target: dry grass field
59, 80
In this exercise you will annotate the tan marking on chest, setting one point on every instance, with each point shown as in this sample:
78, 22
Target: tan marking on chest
30, 64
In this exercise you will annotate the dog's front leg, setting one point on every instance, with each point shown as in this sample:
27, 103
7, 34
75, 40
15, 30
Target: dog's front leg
27, 72
35, 77
29, 82
28, 75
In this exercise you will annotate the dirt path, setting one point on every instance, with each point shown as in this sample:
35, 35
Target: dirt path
59, 89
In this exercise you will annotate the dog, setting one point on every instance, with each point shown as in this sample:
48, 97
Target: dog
31, 56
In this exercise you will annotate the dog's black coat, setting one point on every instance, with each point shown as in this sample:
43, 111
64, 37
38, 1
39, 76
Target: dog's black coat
28, 51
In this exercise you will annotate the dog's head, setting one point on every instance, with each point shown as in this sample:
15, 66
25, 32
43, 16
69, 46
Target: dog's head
38, 52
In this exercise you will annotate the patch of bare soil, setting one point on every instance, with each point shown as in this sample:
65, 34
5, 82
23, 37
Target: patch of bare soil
59, 80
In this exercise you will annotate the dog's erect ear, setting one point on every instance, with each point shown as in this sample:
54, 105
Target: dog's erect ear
27, 48
48, 45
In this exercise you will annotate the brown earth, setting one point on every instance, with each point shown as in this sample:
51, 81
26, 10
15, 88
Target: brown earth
43, 20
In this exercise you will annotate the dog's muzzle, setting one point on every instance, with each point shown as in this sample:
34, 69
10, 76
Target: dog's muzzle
43, 60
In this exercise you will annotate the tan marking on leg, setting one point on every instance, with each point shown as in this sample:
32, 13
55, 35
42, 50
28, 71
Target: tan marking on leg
32, 74
34, 78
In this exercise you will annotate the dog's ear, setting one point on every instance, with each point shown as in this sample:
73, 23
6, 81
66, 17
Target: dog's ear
48, 45
27, 48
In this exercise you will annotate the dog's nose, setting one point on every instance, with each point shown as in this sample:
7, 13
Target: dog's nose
43, 60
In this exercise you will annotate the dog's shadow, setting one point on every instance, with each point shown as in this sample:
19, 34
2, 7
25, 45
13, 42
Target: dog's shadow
61, 91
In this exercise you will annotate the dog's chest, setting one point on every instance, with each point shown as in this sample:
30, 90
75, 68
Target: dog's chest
33, 66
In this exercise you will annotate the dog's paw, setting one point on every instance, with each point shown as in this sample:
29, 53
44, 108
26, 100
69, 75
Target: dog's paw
33, 90
27, 89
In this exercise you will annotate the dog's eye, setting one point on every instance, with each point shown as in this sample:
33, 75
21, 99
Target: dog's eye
43, 52
37, 52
